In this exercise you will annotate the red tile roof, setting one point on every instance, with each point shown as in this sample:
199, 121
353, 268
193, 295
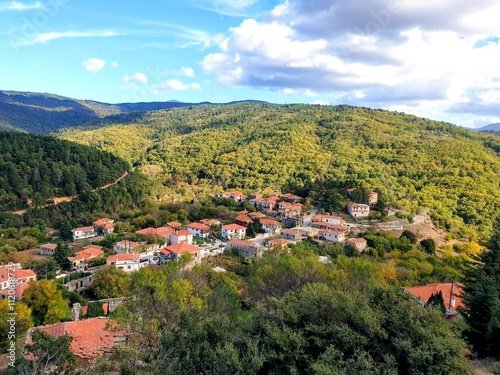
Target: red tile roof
19, 291
174, 224
91, 339
164, 231
233, 227
425, 291
269, 222
241, 242
146, 231
124, 257
83, 229
356, 240
210, 222
256, 215
179, 249
244, 219
183, 232
51, 246
103, 221
198, 226
20, 274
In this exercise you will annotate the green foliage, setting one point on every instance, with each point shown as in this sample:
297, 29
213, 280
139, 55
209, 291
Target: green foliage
41, 167
110, 282
436, 299
428, 245
61, 255
319, 151
482, 300
47, 355
412, 237
95, 309
46, 302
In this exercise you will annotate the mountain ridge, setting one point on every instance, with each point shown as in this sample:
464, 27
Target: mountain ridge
42, 113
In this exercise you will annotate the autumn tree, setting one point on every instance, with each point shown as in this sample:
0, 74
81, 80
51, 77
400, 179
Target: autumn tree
110, 282
46, 302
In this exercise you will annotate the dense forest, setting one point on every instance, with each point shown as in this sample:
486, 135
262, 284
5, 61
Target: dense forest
37, 168
412, 162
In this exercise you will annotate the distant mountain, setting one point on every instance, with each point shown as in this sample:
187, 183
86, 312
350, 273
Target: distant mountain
489, 128
45, 113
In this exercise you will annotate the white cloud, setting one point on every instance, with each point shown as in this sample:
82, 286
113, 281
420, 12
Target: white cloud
17, 6
135, 78
381, 53
114, 64
176, 85
94, 64
188, 72
46, 37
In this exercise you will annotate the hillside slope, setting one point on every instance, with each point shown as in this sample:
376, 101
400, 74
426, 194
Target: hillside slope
36, 168
46, 113
412, 162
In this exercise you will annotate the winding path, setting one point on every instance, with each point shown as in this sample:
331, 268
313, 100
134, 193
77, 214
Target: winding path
58, 200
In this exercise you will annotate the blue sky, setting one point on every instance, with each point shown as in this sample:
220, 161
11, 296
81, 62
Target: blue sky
434, 59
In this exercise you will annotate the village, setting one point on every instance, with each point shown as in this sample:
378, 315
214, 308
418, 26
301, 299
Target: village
276, 222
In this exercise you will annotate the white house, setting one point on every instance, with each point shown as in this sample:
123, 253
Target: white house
231, 231
48, 249
181, 236
333, 235
198, 229
359, 243
358, 210
330, 219
127, 262
83, 232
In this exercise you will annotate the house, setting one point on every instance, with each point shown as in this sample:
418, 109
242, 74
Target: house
281, 242
174, 252
358, 210
127, 262
291, 222
389, 211
198, 230
165, 233
231, 231
175, 225
14, 288
48, 249
332, 235
91, 338
210, 222
126, 247
82, 258
359, 243
256, 215
150, 231
330, 219
268, 204
270, 226
104, 226
236, 196
292, 198
286, 209
243, 220
452, 295
182, 236
291, 234
246, 249
83, 232
253, 196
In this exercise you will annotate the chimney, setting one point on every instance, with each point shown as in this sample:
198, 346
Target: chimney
75, 312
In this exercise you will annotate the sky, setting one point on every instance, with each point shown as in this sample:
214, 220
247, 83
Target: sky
435, 59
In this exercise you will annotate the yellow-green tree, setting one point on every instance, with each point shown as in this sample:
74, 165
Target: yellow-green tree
46, 302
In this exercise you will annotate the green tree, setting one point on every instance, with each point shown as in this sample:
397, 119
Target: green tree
410, 235
110, 282
482, 299
46, 302
22, 318
436, 299
61, 255
46, 354
428, 246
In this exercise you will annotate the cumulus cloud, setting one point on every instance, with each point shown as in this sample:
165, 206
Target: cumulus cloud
17, 6
94, 64
114, 64
135, 78
380, 52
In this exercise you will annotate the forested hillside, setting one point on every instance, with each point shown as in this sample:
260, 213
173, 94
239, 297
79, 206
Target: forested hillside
40, 167
44, 113
412, 162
